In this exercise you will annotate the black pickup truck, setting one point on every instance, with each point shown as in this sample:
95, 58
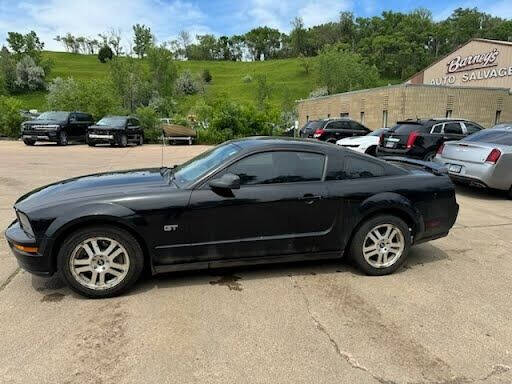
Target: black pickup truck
420, 139
56, 126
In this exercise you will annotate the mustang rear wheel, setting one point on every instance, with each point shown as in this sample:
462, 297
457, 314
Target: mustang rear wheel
381, 244
100, 261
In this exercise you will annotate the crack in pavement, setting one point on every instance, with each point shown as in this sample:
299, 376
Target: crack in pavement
497, 369
9, 279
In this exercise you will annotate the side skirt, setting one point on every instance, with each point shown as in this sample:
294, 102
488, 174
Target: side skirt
245, 262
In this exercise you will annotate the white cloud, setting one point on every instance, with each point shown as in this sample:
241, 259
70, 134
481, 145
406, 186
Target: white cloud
88, 18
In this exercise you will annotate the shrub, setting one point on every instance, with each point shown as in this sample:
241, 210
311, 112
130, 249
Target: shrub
149, 121
105, 54
186, 84
94, 96
247, 79
319, 92
29, 76
206, 76
10, 117
211, 136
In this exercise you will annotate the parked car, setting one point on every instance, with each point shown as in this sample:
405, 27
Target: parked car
483, 159
56, 126
116, 130
364, 144
420, 139
244, 202
331, 130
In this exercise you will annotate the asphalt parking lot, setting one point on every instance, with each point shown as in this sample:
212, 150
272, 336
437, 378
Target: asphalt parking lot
446, 317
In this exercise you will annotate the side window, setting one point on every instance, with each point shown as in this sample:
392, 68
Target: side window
437, 128
279, 167
472, 128
452, 128
73, 117
334, 125
356, 126
354, 168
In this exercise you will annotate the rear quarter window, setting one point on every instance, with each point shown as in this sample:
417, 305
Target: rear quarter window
355, 167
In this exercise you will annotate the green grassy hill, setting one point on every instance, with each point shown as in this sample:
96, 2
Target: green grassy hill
285, 75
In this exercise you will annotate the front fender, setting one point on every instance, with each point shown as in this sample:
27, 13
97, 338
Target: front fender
107, 212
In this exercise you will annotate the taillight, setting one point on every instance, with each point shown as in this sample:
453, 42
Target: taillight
440, 149
411, 139
318, 133
494, 156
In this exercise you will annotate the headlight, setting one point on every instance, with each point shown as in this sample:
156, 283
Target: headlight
25, 224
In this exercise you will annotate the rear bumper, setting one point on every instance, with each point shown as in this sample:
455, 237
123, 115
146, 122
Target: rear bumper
36, 263
477, 174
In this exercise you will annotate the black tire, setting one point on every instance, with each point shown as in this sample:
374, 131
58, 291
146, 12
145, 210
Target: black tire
429, 156
509, 195
91, 143
63, 138
372, 151
331, 140
133, 253
358, 242
123, 141
141, 140
29, 142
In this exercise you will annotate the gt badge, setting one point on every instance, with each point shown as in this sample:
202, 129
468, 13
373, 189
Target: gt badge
170, 228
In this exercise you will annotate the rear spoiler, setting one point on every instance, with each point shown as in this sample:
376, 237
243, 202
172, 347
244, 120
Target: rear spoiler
436, 169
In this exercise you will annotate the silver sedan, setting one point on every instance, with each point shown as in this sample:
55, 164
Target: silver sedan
483, 159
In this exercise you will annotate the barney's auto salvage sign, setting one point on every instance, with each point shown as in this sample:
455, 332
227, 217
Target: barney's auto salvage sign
479, 66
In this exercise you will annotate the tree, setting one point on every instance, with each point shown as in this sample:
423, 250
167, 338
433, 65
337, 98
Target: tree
298, 37
142, 39
162, 70
25, 45
131, 81
236, 47
105, 54
341, 70
184, 40
263, 91
263, 42
7, 71
114, 41
10, 117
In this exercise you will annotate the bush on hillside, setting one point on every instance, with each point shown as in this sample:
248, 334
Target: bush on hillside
29, 76
105, 54
149, 121
206, 76
247, 79
187, 85
10, 117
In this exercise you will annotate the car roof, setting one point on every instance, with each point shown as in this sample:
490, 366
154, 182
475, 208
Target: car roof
427, 122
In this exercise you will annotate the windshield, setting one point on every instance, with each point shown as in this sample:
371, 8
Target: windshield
314, 124
57, 116
491, 136
112, 121
200, 165
377, 132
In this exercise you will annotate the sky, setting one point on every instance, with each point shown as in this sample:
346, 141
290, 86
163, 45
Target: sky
167, 18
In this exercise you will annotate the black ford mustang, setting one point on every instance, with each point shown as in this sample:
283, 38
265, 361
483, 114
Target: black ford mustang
250, 201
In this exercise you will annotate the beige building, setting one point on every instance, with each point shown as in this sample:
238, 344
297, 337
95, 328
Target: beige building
474, 82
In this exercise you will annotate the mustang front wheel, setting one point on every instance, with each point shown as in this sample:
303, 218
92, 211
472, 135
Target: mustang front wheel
381, 245
100, 261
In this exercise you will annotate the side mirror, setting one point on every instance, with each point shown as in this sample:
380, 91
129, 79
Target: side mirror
228, 181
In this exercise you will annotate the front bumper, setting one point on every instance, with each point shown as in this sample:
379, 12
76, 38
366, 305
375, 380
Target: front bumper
37, 263
40, 135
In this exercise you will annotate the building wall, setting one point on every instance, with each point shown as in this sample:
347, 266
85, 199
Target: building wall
492, 66
411, 101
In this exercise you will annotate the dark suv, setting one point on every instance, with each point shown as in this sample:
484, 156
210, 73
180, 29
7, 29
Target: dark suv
116, 130
56, 126
420, 139
331, 130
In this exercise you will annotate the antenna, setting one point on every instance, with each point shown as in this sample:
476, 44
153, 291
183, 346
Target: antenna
163, 145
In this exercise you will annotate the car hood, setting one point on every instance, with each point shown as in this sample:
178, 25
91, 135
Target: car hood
102, 186
359, 140
43, 122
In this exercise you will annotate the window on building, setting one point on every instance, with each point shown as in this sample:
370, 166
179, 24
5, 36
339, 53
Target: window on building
449, 113
384, 118
279, 167
362, 117
328, 115
497, 118
307, 118
344, 114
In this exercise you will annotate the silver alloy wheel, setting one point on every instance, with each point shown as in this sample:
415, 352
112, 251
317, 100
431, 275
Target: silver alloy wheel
124, 141
430, 156
99, 263
383, 246
63, 138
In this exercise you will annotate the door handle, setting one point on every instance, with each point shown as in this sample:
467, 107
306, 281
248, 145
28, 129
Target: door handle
309, 198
